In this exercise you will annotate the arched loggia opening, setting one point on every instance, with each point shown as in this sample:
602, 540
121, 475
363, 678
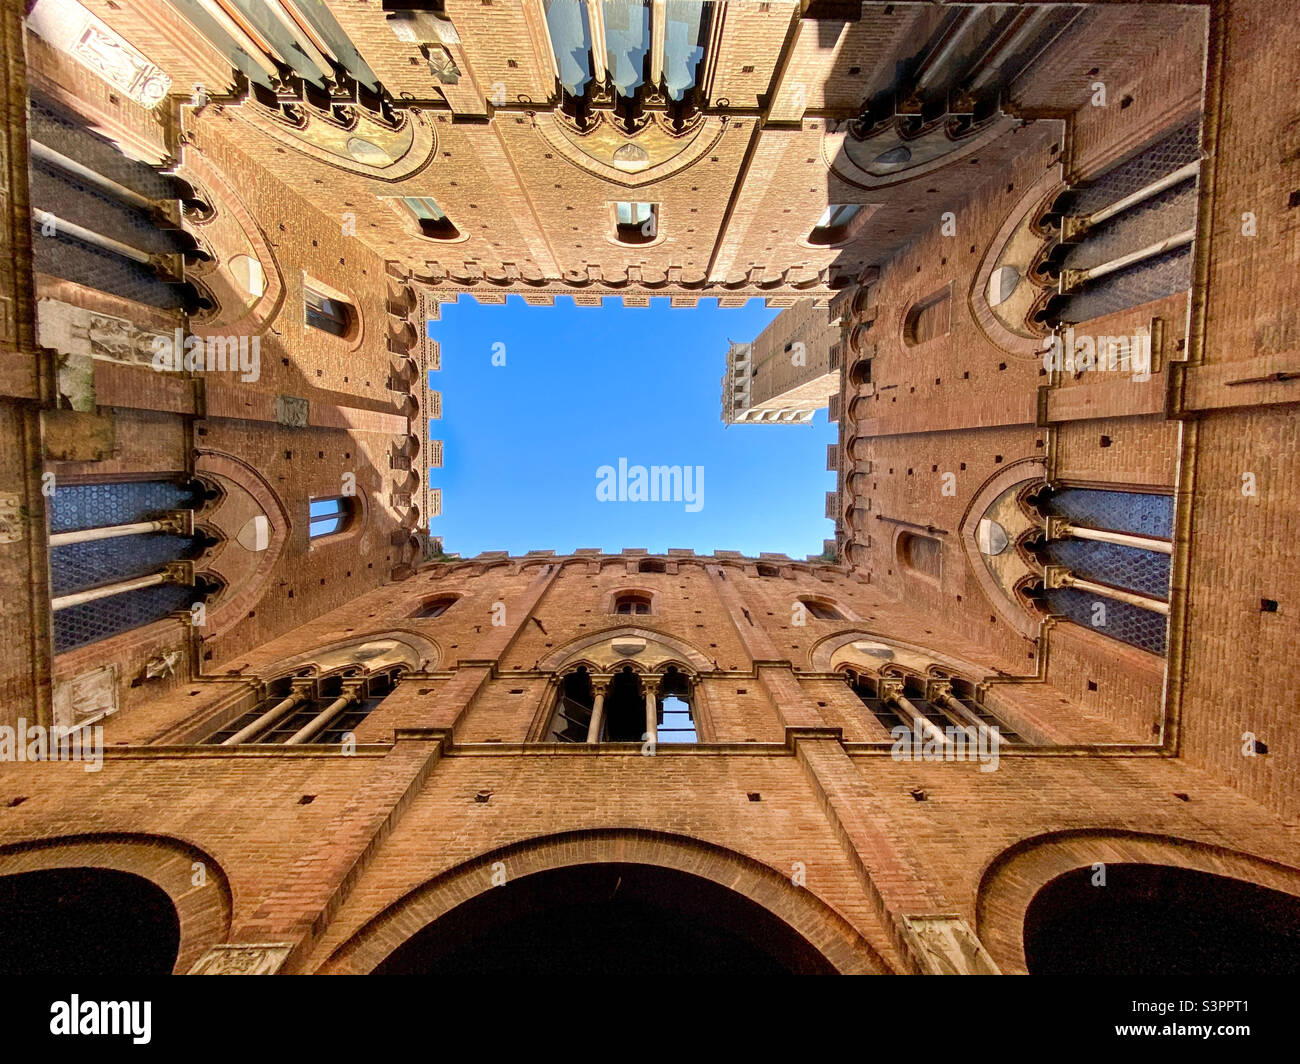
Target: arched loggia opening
1150, 919
86, 922
572, 718
625, 715
607, 919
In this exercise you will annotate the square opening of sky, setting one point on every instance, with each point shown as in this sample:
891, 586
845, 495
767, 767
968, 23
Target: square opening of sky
537, 401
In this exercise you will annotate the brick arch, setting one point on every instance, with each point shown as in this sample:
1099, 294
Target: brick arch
822, 652
696, 143
1026, 208
420, 649
254, 318
820, 925
168, 863
243, 596
1014, 877
314, 137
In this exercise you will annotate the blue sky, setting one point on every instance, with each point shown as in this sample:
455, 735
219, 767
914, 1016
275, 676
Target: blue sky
583, 387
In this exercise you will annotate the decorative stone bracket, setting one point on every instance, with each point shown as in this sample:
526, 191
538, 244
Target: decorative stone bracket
236, 958
944, 944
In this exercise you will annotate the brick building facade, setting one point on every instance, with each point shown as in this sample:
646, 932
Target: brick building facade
1059, 244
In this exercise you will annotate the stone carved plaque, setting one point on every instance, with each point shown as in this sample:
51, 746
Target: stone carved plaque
86, 697
291, 411
236, 958
73, 29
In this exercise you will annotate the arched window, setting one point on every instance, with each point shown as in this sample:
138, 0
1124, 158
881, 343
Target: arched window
431, 218
860, 373
822, 610
951, 709
327, 313
435, 607
920, 554
636, 223
331, 515
118, 556
928, 319
764, 569
296, 712
623, 713
1107, 561
650, 565
676, 709
571, 720
632, 602
835, 224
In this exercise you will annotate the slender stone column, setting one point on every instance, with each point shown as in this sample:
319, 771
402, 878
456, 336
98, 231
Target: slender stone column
596, 27
652, 710
1059, 576
179, 522
600, 686
1061, 529
891, 691
281, 709
942, 693
174, 573
79, 598
658, 28
318, 722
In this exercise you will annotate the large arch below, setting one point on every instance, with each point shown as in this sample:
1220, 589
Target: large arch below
1027, 890
143, 875
805, 933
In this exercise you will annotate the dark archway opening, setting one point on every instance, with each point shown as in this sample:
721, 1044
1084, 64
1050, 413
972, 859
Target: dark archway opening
1161, 920
625, 709
86, 921
607, 919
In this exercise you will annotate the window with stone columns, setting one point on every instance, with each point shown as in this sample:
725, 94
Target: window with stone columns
299, 710
1105, 557
624, 706
122, 556
938, 707
288, 50
628, 60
